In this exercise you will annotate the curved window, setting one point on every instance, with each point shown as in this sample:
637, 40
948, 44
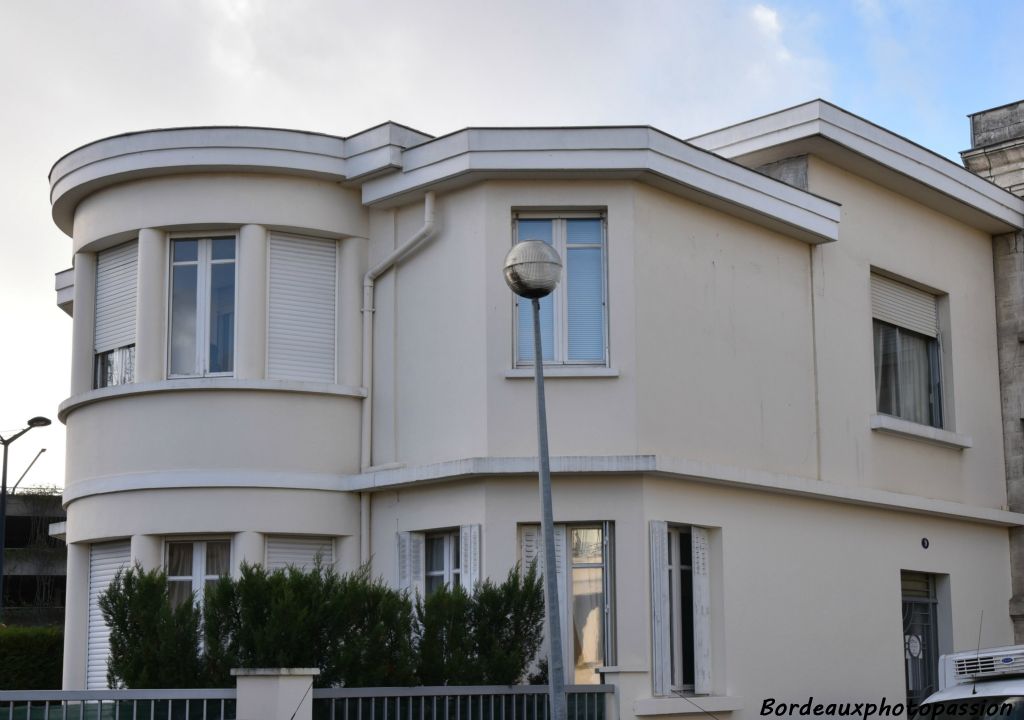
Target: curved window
202, 326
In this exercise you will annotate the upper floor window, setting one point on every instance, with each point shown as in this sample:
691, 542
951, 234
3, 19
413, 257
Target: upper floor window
573, 317
202, 326
114, 330
908, 382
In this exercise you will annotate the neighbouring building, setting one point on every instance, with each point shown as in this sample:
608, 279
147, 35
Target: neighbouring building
774, 400
997, 154
34, 567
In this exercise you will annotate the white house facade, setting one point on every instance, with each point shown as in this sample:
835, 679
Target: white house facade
773, 393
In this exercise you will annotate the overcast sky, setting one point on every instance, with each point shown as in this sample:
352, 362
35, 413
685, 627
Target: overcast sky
75, 71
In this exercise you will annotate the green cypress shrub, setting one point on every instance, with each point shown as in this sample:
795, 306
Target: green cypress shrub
31, 658
151, 644
445, 647
508, 626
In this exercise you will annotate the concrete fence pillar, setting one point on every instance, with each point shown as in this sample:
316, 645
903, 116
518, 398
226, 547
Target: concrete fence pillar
274, 693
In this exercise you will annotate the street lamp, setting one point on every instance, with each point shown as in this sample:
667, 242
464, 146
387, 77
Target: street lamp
33, 423
532, 269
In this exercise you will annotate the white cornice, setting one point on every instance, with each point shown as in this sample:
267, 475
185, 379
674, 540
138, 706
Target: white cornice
849, 141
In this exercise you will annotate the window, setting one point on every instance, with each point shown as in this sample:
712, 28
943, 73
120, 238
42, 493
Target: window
680, 607
114, 330
920, 635
906, 352
302, 553
202, 335
429, 560
573, 317
192, 566
585, 576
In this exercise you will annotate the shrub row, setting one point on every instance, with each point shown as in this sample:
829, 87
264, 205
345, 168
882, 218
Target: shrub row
31, 658
358, 631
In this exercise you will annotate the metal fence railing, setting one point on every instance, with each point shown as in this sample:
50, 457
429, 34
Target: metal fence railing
474, 702
117, 704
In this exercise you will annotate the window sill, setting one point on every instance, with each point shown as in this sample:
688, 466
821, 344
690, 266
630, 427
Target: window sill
914, 431
695, 705
563, 371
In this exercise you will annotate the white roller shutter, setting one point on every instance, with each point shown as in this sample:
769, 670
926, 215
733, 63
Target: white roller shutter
116, 290
105, 559
301, 318
298, 552
900, 304
661, 659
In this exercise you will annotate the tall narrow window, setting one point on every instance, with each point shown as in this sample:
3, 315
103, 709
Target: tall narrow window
574, 316
443, 556
193, 566
907, 368
920, 635
114, 335
202, 336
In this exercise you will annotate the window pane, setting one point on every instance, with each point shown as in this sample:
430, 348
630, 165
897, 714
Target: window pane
179, 559
525, 330
585, 288
223, 248
587, 620
587, 546
185, 250
535, 230
218, 557
886, 387
222, 317
180, 591
914, 378
456, 551
183, 320
435, 554
433, 583
579, 232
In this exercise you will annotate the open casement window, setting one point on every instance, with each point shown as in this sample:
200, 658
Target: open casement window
301, 553
193, 565
114, 335
908, 381
202, 326
430, 560
680, 610
574, 317
585, 573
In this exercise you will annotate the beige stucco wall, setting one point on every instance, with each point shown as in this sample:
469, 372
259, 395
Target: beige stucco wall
884, 230
805, 593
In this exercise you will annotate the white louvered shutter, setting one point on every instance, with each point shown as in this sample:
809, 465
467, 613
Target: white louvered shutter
301, 316
412, 562
661, 659
105, 559
701, 613
116, 291
531, 547
298, 552
469, 550
900, 304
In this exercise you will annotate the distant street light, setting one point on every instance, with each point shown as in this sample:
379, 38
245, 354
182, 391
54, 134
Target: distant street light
33, 423
532, 269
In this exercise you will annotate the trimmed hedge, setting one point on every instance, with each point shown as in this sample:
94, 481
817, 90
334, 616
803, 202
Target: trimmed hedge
31, 658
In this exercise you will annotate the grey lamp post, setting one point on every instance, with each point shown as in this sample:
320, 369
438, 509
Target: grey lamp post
33, 423
532, 269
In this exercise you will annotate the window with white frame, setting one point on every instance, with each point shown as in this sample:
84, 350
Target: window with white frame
429, 560
680, 609
193, 565
585, 574
202, 323
114, 328
574, 318
908, 381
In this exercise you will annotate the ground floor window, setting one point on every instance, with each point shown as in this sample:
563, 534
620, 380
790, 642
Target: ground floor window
680, 609
585, 575
443, 566
193, 565
431, 559
920, 635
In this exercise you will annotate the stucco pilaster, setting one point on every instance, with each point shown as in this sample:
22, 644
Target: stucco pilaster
251, 312
247, 547
147, 551
151, 308
352, 265
84, 325
76, 616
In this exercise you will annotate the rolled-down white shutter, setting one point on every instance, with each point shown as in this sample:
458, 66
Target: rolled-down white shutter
105, 559
299, 552
900, 304
301, 322
661, 658
117, 272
